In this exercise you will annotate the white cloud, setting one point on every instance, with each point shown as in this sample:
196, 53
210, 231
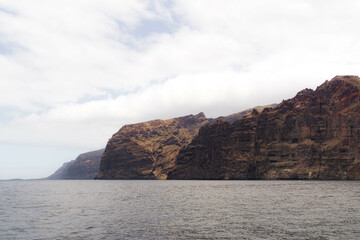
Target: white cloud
73, 72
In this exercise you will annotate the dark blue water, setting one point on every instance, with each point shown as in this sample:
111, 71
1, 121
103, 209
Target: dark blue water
180, 210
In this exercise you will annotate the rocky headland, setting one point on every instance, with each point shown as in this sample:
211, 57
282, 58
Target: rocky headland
148, 150
85, 166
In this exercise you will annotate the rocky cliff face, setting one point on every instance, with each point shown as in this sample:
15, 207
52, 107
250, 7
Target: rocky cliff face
314, 135
85, 166
148, 150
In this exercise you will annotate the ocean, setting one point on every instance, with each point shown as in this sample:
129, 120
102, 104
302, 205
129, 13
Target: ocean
136, 209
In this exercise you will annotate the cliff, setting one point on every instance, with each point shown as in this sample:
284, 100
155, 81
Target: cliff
314, 135
61, 172
85, 166
148, 150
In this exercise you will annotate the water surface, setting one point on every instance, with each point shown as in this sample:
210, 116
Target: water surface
179, 209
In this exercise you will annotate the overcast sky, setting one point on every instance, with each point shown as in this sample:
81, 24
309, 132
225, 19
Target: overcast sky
73, 72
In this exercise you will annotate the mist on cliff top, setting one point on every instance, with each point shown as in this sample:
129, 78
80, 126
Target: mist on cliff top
72, 73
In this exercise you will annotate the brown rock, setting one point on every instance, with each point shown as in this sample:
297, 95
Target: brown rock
148, 150
314, 135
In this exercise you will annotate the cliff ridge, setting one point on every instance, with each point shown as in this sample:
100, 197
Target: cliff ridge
314, 135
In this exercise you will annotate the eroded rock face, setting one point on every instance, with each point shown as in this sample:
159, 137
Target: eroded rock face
148, 150
314, 135
85, 166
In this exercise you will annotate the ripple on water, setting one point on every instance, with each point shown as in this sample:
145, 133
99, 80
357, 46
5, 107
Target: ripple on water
179, 210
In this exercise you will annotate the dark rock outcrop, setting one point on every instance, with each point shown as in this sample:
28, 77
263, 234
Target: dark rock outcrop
85, 166
148, 150
314, 135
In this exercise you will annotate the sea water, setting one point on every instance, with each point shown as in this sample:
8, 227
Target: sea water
179, 209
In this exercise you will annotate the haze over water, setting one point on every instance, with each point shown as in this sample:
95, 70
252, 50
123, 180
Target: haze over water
179, 209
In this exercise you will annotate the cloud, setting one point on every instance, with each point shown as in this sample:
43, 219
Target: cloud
68, 50
72, 73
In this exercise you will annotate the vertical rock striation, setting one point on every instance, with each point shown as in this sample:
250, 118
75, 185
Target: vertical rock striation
148, 150
314, 135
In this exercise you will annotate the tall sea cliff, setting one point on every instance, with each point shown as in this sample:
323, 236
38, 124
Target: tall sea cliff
314, 135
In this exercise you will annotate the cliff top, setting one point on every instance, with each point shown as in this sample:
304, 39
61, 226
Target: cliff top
351, 79
157, 123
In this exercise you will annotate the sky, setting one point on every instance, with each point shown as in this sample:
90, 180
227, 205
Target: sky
73, 72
